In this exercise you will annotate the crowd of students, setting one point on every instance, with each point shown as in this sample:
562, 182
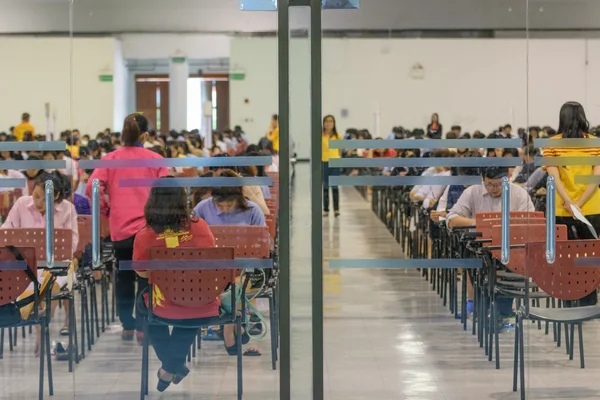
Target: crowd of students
143, 217
458, 205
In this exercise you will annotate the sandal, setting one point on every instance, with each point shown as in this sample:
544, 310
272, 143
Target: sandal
232, 351
326, 213
163, 384
180, 375
64, 331
61, 353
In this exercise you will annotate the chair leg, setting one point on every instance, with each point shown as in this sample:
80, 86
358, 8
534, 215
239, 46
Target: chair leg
240, 379
567, 341
15, 336
82, 306
273, 333
146, 355
516, 354
1, 343
49, 360
522, 357
42, 356
10, 340
547, 323
571, 351
492, 330
75, 336
581, 356
23, 332
71, 329
497, 344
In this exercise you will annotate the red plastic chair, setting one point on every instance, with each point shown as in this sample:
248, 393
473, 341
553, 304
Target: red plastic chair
12, 285
192, 288
565, 281
248, 241
520, 234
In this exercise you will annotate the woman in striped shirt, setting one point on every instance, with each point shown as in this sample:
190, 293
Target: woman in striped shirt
571, 195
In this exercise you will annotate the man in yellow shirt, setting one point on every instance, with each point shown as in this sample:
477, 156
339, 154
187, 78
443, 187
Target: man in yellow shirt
23, 127
273, 132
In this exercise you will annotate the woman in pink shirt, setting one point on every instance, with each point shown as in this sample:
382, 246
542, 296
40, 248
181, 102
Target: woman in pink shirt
126, 212
30, 212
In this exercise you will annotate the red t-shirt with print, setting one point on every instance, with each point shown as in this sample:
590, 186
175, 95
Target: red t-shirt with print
197, 235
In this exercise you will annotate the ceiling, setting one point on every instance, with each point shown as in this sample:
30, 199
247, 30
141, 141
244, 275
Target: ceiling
122, 16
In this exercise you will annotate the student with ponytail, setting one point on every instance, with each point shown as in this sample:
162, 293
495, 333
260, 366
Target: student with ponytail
126, 212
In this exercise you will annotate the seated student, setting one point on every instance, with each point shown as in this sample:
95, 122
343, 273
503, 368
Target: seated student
228, 206
512, 171
487, 197
528, 167
254, 193
430, 193
453, 192
170, 224
260, 169
202, 192
30, 211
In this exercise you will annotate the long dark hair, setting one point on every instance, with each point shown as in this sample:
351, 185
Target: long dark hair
573, 122
167, 208
229, 193
135, 125
334, 131
62, 186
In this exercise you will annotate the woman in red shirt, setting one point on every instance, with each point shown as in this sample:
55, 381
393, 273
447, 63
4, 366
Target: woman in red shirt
126, 212
170, 224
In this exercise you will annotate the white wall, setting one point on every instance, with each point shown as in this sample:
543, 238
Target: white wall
35, 71
479, 83
152, 46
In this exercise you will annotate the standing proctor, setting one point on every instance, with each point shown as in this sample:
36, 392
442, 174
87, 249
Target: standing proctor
126, 212
330, 133
434, 129
574, 125
23, 127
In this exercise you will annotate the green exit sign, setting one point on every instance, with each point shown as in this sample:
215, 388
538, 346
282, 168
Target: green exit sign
178, 60
106, 78
238, 76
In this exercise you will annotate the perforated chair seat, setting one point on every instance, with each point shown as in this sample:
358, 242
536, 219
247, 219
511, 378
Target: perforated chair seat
564, 315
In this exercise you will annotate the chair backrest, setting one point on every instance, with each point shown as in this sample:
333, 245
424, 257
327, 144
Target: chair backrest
562, 279
513, 214
485, 226
270, 219
84, 223
14, 283
248, 241
521, 234
36, 237
271, 205
191, 288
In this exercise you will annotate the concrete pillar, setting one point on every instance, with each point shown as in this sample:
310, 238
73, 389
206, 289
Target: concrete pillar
179, 72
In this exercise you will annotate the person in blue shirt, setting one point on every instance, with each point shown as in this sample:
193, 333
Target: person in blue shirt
228, 206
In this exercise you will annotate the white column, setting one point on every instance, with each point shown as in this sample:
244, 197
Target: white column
179, 72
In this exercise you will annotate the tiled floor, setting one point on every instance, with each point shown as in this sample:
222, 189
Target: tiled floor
387, 336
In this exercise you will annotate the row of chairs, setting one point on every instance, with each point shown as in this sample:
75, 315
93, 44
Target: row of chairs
527, 278
245, 242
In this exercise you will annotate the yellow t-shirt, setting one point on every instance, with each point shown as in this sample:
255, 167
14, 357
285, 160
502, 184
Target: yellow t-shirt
20, 130
327, 152
74, 150
568, 174
274, 138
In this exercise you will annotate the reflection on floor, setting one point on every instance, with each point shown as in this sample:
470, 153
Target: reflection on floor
387, 336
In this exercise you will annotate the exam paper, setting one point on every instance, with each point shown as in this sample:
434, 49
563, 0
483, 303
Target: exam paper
578, 215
